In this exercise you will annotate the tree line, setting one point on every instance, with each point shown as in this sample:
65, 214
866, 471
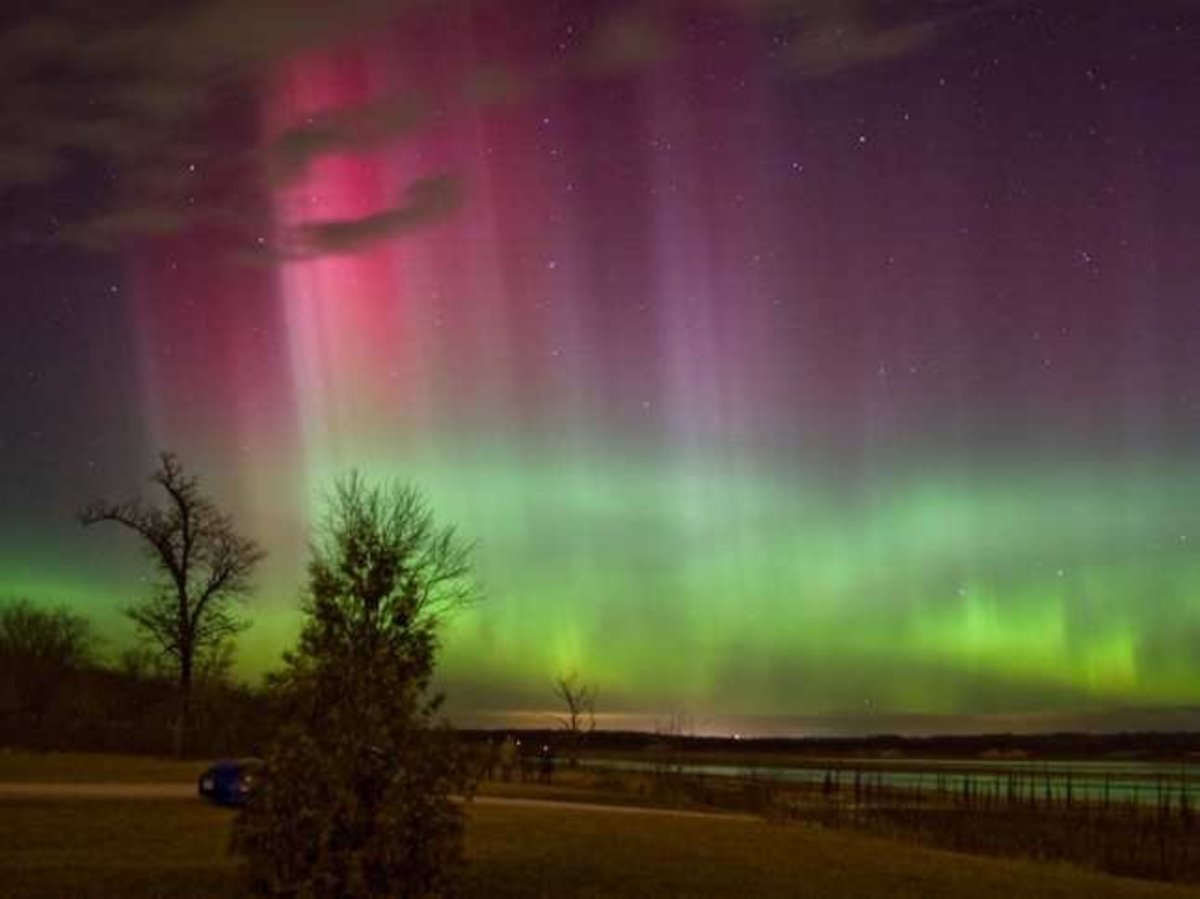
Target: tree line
59, 690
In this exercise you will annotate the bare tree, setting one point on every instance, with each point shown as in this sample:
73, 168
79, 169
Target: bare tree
205, 567
580, 720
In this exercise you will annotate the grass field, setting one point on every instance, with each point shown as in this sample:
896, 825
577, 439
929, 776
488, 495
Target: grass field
178, 848
81, 767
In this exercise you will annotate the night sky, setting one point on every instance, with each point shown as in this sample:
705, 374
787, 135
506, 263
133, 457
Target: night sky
806, 374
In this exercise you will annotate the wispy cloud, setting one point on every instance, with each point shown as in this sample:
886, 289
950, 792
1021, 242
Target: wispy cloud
125, 88
426, 200
354, 129
121, 88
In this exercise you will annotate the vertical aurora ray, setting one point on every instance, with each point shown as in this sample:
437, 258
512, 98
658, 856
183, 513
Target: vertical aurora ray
754, 406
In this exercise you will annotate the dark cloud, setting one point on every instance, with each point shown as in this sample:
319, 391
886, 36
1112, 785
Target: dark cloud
129, 88
629, 39
355, 129
425, 201
106, 230
837, 44
125, 87
490, 83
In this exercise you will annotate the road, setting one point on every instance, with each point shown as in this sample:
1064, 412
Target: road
22, 790
26, 790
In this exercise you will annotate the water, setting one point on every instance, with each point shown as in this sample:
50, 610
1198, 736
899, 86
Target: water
1141, 782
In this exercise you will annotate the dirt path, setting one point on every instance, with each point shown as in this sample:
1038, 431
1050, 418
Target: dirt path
600, 807
111, 791
30, 790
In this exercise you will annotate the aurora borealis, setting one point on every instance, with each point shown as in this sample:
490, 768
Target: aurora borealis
766, 392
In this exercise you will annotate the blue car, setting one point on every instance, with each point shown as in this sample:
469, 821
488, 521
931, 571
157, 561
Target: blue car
231, 782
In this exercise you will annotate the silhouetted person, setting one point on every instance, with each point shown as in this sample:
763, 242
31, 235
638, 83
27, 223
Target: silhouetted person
508, 757
491, 758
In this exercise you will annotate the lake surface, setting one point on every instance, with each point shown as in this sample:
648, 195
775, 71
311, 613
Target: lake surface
1056, 781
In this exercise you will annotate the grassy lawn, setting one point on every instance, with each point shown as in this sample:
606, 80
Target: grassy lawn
81, 767
129, 848
178, 848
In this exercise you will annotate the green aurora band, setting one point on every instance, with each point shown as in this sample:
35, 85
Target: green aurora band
685, 589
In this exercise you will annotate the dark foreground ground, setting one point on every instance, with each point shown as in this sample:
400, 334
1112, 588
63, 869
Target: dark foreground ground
177, 847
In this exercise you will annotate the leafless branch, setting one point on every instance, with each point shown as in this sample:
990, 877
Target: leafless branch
206, 567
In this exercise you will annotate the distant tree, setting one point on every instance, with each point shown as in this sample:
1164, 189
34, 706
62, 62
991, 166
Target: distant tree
57, 637
39, 650
356, 797
205, 567
214, 668
141, 663
580, 719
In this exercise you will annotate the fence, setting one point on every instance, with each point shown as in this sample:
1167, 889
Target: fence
1116, 821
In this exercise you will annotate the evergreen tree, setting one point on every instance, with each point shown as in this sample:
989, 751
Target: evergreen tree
356, 799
